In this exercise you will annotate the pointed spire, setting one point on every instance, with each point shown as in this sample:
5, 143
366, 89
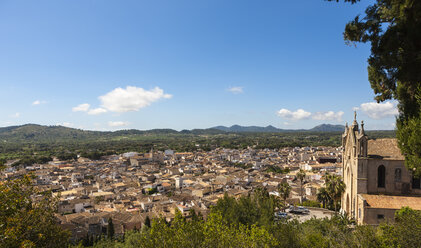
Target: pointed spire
354, 123
355, 119
362, 128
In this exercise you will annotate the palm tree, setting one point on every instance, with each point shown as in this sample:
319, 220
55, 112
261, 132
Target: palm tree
301, 176
335, 188
323, 197
284, 190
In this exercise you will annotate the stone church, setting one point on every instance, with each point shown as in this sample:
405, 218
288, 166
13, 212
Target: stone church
377, 181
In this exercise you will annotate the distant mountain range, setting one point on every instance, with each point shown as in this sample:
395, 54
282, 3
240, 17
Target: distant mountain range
272, 129
50, 133
328, 128
35, 129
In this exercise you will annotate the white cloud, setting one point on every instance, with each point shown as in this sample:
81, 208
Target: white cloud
300, 114
124, 100
96, 111
328, 116
236, 90
131, 98
81, 108
379, 110
38, 102
118, 123
15, 115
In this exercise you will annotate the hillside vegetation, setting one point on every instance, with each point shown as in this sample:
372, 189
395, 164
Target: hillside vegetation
37, 140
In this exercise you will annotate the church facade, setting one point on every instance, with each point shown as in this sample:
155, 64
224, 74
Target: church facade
377, 181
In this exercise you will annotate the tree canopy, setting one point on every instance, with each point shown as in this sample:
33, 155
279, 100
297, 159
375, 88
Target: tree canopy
228, 226
393, 28
27, 216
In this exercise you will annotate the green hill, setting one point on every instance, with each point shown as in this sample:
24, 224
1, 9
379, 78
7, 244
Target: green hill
37, 140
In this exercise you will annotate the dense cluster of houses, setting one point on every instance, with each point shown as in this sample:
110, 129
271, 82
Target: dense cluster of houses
131, 187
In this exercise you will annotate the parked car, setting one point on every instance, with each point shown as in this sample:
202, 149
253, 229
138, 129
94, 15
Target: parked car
298, 210
281, 215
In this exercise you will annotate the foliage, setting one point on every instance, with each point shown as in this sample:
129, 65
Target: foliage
277, 169
324, 198
284, 190
335, 187
240, 165
214, 232
151, 191
335, 232
408, 134
393, 30
110, 229
255, 209
30, 160
301, 175
25, 222
309, 203
99, 199
147, 221
406, 232
244, 222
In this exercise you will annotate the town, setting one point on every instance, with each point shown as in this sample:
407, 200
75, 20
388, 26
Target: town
131, 187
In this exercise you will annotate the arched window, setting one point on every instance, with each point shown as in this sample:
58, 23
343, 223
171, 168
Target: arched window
381, 176
416, 182
398, 175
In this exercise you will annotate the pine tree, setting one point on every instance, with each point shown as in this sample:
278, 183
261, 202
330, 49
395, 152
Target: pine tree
148, 222
110, 229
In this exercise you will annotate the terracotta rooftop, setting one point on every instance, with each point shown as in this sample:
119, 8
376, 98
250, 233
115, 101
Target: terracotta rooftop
392, 202
384, 148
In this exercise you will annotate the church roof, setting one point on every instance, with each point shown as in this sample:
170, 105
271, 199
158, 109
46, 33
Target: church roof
385, 149
392, 202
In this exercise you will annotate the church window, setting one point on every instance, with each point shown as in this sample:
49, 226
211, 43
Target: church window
359, 213
398, 175
416, 182
381, 176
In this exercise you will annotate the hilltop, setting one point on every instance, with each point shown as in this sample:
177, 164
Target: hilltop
272, 129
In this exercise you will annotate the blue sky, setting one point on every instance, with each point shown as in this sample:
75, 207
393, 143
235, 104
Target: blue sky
107, 65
